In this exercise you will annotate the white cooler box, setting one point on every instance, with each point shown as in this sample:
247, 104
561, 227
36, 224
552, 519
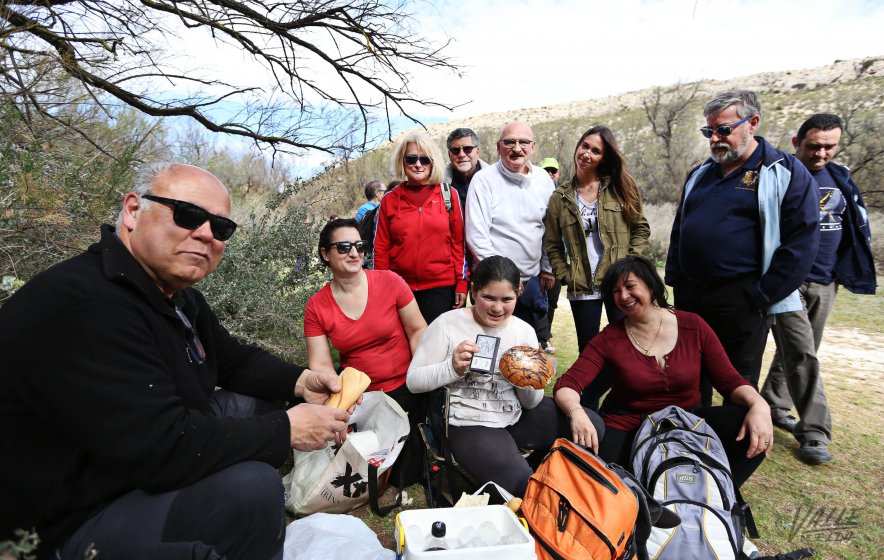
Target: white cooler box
455, 520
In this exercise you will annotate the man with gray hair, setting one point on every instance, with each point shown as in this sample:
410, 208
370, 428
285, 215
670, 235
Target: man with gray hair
374, 190
505, 210
115, 439
745, 233
463, 154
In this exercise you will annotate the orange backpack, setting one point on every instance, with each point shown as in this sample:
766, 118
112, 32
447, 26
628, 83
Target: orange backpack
577, 507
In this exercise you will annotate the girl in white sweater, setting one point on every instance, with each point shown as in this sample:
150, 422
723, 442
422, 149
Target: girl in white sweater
489, 419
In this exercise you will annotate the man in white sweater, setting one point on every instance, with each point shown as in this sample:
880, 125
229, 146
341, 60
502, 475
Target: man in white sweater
505, 207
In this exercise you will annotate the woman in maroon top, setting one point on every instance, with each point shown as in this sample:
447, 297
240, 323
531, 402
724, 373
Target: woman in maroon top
657, 356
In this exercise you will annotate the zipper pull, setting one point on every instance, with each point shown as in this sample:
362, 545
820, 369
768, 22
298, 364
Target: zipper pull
564, 511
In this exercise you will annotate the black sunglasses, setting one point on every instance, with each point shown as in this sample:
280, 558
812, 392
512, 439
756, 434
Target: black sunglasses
455, 150
191, 216
425, 160
195, 351
344, 247
723, 130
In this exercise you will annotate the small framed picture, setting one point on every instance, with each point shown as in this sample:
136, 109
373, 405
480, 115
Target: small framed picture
486, 358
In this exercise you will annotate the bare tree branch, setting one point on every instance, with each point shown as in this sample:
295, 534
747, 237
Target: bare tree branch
329, 60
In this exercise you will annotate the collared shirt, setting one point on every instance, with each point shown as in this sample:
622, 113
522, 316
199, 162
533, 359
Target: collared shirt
720, 234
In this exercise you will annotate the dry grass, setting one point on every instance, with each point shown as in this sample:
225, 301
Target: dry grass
852, 358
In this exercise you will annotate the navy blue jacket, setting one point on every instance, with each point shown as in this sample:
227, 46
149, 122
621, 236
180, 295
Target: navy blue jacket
854, 264
794, 239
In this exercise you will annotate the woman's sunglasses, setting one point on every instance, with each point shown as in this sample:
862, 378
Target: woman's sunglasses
411, 160
344, 247
191, 216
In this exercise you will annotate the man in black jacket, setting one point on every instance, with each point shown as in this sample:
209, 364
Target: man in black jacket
115, 438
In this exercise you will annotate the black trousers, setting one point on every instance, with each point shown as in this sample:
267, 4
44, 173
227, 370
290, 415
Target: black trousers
494, 453
409, 466
235, 513
434, 302
740, 327
616, 445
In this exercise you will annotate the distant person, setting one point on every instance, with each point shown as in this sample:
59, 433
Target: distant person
115, 438
593, 220
657, 355
745, 233
463, 155
505, 209
551, 166
371, 318
419, 234
844, 257
489, 420
374, 190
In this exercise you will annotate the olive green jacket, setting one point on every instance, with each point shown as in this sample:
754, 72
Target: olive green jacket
565, 240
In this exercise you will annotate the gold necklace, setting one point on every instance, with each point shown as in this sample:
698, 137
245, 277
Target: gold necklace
647, 350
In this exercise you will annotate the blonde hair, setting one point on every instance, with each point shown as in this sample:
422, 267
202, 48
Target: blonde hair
422, 141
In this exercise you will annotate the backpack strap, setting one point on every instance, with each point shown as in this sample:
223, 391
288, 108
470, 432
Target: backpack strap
446, 196
751, 528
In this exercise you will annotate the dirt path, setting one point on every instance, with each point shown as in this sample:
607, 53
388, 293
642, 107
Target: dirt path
854, 356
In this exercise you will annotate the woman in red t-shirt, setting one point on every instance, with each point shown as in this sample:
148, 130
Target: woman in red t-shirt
419, 235
369, 316
656, 356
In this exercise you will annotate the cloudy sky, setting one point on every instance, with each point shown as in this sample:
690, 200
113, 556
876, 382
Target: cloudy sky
519, 53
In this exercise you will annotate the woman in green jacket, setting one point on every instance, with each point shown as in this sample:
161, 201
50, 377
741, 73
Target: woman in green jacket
591, 221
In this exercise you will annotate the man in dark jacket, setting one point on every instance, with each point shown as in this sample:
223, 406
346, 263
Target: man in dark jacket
744, 235
115, 438
844, 257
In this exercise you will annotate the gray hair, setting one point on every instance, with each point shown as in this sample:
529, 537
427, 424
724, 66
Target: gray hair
144, 181
459, 133
747, 103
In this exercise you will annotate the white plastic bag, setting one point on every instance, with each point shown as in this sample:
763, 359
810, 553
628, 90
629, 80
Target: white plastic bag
335, 479
332, 537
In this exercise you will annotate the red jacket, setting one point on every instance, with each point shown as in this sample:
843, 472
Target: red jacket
424, 245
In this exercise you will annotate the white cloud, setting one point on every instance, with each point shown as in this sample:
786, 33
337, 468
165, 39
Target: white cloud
525, 54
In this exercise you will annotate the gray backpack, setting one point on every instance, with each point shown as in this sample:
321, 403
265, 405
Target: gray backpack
681, 462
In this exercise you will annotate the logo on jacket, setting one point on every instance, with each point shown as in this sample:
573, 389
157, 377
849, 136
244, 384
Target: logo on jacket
749, 182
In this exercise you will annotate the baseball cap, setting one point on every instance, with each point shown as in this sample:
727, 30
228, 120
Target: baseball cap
550, 162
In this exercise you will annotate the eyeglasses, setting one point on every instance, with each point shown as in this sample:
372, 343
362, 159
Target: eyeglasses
195, 351
511, 142
455, 150
425, 160
191, 216
344, 247
723, 130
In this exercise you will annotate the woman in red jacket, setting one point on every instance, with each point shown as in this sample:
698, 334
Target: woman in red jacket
419, 231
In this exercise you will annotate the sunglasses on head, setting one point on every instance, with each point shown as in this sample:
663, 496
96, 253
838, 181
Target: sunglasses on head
723, 130
425, 160
191, 216
455, 150
344, 247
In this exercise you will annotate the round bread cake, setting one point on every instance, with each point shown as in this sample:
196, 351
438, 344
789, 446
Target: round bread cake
524, 366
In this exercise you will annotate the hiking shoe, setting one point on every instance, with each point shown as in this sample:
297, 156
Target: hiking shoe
786, 422
814, 453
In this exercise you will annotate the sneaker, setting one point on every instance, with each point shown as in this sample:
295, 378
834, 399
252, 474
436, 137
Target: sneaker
549, 349
814, 453
786, 422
